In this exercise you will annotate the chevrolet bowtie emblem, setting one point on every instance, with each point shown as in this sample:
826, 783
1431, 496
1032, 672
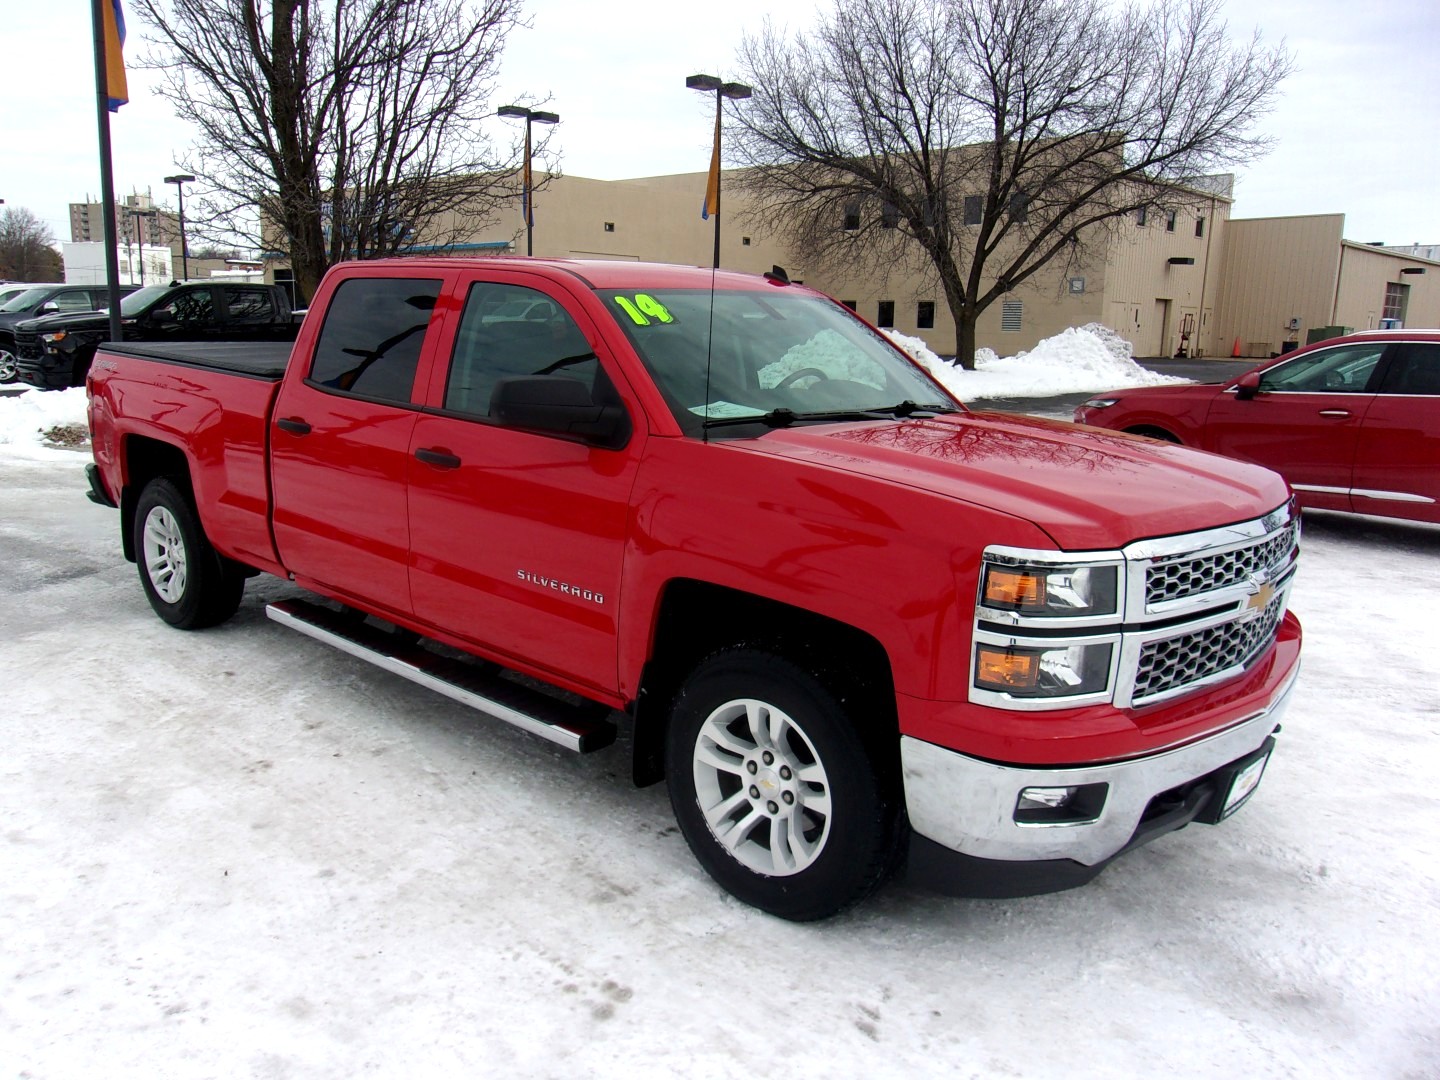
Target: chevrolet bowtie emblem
1260, 599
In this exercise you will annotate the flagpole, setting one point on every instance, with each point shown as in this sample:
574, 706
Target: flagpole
107, 178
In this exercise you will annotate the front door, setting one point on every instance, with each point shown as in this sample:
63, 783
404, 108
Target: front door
517, 537
1305, 421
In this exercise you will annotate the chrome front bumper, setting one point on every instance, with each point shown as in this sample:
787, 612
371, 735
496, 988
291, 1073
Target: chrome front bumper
968, 805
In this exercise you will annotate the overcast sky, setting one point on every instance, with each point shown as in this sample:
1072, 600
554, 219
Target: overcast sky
1358, 126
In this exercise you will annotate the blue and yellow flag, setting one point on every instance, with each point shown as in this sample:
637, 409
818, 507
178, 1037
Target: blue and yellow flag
712, 189
116, 89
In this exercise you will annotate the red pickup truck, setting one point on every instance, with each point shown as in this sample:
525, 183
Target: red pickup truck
853, 624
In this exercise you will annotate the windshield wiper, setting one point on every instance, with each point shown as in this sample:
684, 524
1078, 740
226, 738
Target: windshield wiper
777, 418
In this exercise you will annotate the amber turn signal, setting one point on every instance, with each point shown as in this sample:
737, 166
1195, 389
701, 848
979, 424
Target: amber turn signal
1014, 588
1001, 669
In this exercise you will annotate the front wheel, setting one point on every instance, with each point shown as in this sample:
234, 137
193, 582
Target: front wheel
188, 583
9, 369
774, 788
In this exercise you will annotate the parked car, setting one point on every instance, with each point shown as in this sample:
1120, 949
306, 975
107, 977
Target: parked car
54, 352
1353, 423
44, 299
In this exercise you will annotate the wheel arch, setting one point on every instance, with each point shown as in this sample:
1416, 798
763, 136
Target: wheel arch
696, 619
143, 459
1154, 431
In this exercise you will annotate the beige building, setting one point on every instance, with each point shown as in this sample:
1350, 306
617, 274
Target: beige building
1188, 280
1157, 284
1286, 278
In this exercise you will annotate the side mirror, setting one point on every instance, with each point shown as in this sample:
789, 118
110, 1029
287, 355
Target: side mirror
562, 405
1248, 386
47, 308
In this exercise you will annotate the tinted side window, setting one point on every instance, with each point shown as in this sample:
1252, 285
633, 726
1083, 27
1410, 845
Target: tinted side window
250, 305
1415, 371
79, 300
374, 329
511, 330
194, 307
1345, 369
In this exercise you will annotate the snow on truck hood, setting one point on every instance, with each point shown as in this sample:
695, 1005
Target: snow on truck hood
1087, 489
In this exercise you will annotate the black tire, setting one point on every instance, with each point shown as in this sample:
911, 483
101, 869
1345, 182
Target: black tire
813, 828
188, 583
1156, 433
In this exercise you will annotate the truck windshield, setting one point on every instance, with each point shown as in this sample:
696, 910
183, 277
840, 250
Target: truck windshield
767, 355
26, 300
141, 299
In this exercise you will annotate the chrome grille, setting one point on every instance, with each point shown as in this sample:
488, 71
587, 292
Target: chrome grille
1181, 578
1189, 658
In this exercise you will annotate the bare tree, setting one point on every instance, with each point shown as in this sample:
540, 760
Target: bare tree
980, 140
26, 247
337, 128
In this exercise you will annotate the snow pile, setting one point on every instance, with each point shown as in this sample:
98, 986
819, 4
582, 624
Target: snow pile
1086, 360
26, 417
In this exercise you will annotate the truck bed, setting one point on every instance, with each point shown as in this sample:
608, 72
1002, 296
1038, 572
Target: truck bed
253, 359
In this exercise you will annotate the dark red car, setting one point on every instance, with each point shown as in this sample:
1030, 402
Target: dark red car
1353, 423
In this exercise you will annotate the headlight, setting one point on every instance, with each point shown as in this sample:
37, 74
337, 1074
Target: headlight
1060, 671
1054, 591
59, 335
1098, 403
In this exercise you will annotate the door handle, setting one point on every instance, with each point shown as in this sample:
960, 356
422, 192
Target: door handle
441, 459
294, 427
1335, 412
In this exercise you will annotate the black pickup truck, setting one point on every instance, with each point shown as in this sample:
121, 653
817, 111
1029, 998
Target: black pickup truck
54, 352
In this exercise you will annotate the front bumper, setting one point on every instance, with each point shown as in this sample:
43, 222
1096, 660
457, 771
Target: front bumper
963, 809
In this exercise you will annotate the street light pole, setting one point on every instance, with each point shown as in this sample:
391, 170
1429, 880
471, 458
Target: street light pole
140, 235
530, 116
180, 180
736, 92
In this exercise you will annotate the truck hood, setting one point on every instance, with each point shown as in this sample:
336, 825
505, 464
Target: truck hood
1087, 489
69, 320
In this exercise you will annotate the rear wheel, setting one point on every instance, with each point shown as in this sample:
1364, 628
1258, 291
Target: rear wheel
188, 583
774, 789
9, 372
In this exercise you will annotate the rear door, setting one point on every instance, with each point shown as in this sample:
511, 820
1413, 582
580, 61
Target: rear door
1397, 466
1305, 421
341, 439
517, 536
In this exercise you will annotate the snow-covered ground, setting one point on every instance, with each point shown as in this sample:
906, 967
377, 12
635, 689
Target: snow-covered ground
239, 853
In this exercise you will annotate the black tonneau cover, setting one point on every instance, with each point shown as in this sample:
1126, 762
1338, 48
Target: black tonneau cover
254, 359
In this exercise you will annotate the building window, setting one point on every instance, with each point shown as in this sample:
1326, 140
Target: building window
1140, 216
1395, 297
1019, 206
744, 241
1199, 226
972, 209
849, 303
1169, 220
889, 216
852, 219
609, 226
1011, 312
886, 315
925, 315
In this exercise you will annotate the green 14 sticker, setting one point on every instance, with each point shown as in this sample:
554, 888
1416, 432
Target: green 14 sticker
643, 308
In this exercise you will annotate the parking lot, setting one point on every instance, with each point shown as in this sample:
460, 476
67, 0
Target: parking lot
239, 853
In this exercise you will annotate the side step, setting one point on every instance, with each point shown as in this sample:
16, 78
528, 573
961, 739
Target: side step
581, 728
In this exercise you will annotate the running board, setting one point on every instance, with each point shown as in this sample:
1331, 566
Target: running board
581, 728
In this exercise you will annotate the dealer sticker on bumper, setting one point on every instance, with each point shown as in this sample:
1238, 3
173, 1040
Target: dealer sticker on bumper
1244, 784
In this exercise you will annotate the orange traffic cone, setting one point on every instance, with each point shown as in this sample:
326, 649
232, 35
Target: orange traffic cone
1235, 349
